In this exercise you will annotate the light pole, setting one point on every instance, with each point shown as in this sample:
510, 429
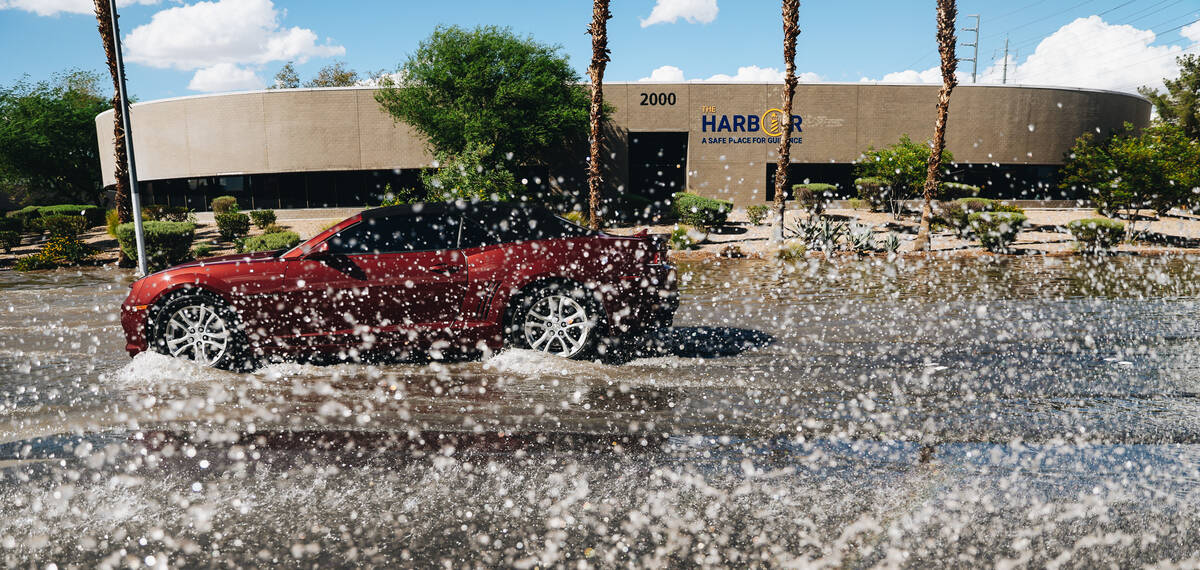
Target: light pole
127, 124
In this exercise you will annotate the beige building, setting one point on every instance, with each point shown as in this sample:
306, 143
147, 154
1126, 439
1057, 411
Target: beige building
336, 147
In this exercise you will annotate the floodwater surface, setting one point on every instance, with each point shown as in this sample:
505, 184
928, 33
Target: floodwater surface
838, 413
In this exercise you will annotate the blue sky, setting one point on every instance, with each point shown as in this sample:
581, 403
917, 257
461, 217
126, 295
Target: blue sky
185, 47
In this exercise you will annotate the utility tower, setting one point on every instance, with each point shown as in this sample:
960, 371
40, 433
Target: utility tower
974, 60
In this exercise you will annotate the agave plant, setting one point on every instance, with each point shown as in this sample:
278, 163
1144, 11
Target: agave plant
862, 239
891, 243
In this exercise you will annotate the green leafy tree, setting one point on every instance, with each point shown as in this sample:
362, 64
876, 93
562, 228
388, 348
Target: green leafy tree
1155, 169
485, 89
335, 74
286, 78
48, 147
1180, 105
903, 165
472, 173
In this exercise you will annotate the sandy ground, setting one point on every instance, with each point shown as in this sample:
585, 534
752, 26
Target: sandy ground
1047, 234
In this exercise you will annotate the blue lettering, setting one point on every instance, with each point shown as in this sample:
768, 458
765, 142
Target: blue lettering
724, 126
752, 123
796, 120
739, 123
707, 121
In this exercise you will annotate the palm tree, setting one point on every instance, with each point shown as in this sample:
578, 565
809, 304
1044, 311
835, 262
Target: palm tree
599, 32
104, 20
791, 29
947, 13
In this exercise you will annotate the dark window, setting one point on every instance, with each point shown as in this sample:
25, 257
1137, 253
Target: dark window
491, 225
398, 234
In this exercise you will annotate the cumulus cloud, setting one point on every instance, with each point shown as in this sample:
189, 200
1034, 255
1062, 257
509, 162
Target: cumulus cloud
747, 74
222, 36
1087, 53
225, 77
56, 7
670, 11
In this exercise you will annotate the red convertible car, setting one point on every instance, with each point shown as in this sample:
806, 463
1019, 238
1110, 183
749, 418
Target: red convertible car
435, 278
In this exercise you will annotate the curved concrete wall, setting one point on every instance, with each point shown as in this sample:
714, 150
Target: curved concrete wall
307, 130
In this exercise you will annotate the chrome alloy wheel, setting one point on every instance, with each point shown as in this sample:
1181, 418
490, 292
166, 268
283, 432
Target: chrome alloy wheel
197, 332
559, 325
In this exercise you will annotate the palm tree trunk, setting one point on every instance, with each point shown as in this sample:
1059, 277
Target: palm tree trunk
124, 215
599, 32
791, 29
947, 13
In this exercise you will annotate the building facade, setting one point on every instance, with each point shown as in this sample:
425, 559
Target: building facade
336, 147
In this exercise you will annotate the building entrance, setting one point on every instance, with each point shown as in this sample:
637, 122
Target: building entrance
657, 164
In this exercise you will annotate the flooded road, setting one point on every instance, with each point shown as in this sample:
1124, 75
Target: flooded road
846, 413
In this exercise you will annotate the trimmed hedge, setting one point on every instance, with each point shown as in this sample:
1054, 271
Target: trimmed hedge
699, 211
93, 214
874, 191
996, 230
59, 226
812, 196
270, 242
232, 225
161, 213
757, 213
263, 218
957, 190
223, 204
1096, 234
167, 243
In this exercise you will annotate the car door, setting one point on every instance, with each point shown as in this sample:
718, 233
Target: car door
386, 274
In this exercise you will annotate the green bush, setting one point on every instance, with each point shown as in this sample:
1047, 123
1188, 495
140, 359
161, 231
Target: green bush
111, 221
59, 225
161, 213
9, 239
223, 204
682, 238
167, 243
700, 211
857, 204
274, 229
876, 192
757, 213
93, 214
812, 197
791, 250
58, 252
262, 218
1096, 234
996, 230
955, 214
232, 225
269, 242
25, 214
956, 190
202, 250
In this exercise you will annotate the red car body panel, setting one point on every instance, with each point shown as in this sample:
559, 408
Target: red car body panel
303, 301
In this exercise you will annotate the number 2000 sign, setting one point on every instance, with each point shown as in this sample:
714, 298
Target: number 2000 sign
658, 99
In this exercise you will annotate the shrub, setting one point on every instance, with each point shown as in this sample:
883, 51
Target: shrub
757, 213
223, 204
94, 215
161, 213
996, 230
682, 237
876, 192
202, 250
274, 229
167, 243
700, 211
25, 214
1096, 234
791, 250
232, 225
111, 221
58, 225
9, 239
263, 218
857, 204
956, 190
812, 197
58, 252
269, 242
955, 214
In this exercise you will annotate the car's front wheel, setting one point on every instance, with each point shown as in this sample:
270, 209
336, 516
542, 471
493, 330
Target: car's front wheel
560, 320
201, 328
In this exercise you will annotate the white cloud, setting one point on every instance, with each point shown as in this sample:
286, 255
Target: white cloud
670, 11
55, 7
1087, 53
668, 73
238, 33
225, 77
746, 74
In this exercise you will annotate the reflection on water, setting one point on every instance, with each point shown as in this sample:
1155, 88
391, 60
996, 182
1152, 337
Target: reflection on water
1039, 410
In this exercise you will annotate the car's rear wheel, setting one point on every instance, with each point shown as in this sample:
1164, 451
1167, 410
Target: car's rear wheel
560, 320
201, 328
